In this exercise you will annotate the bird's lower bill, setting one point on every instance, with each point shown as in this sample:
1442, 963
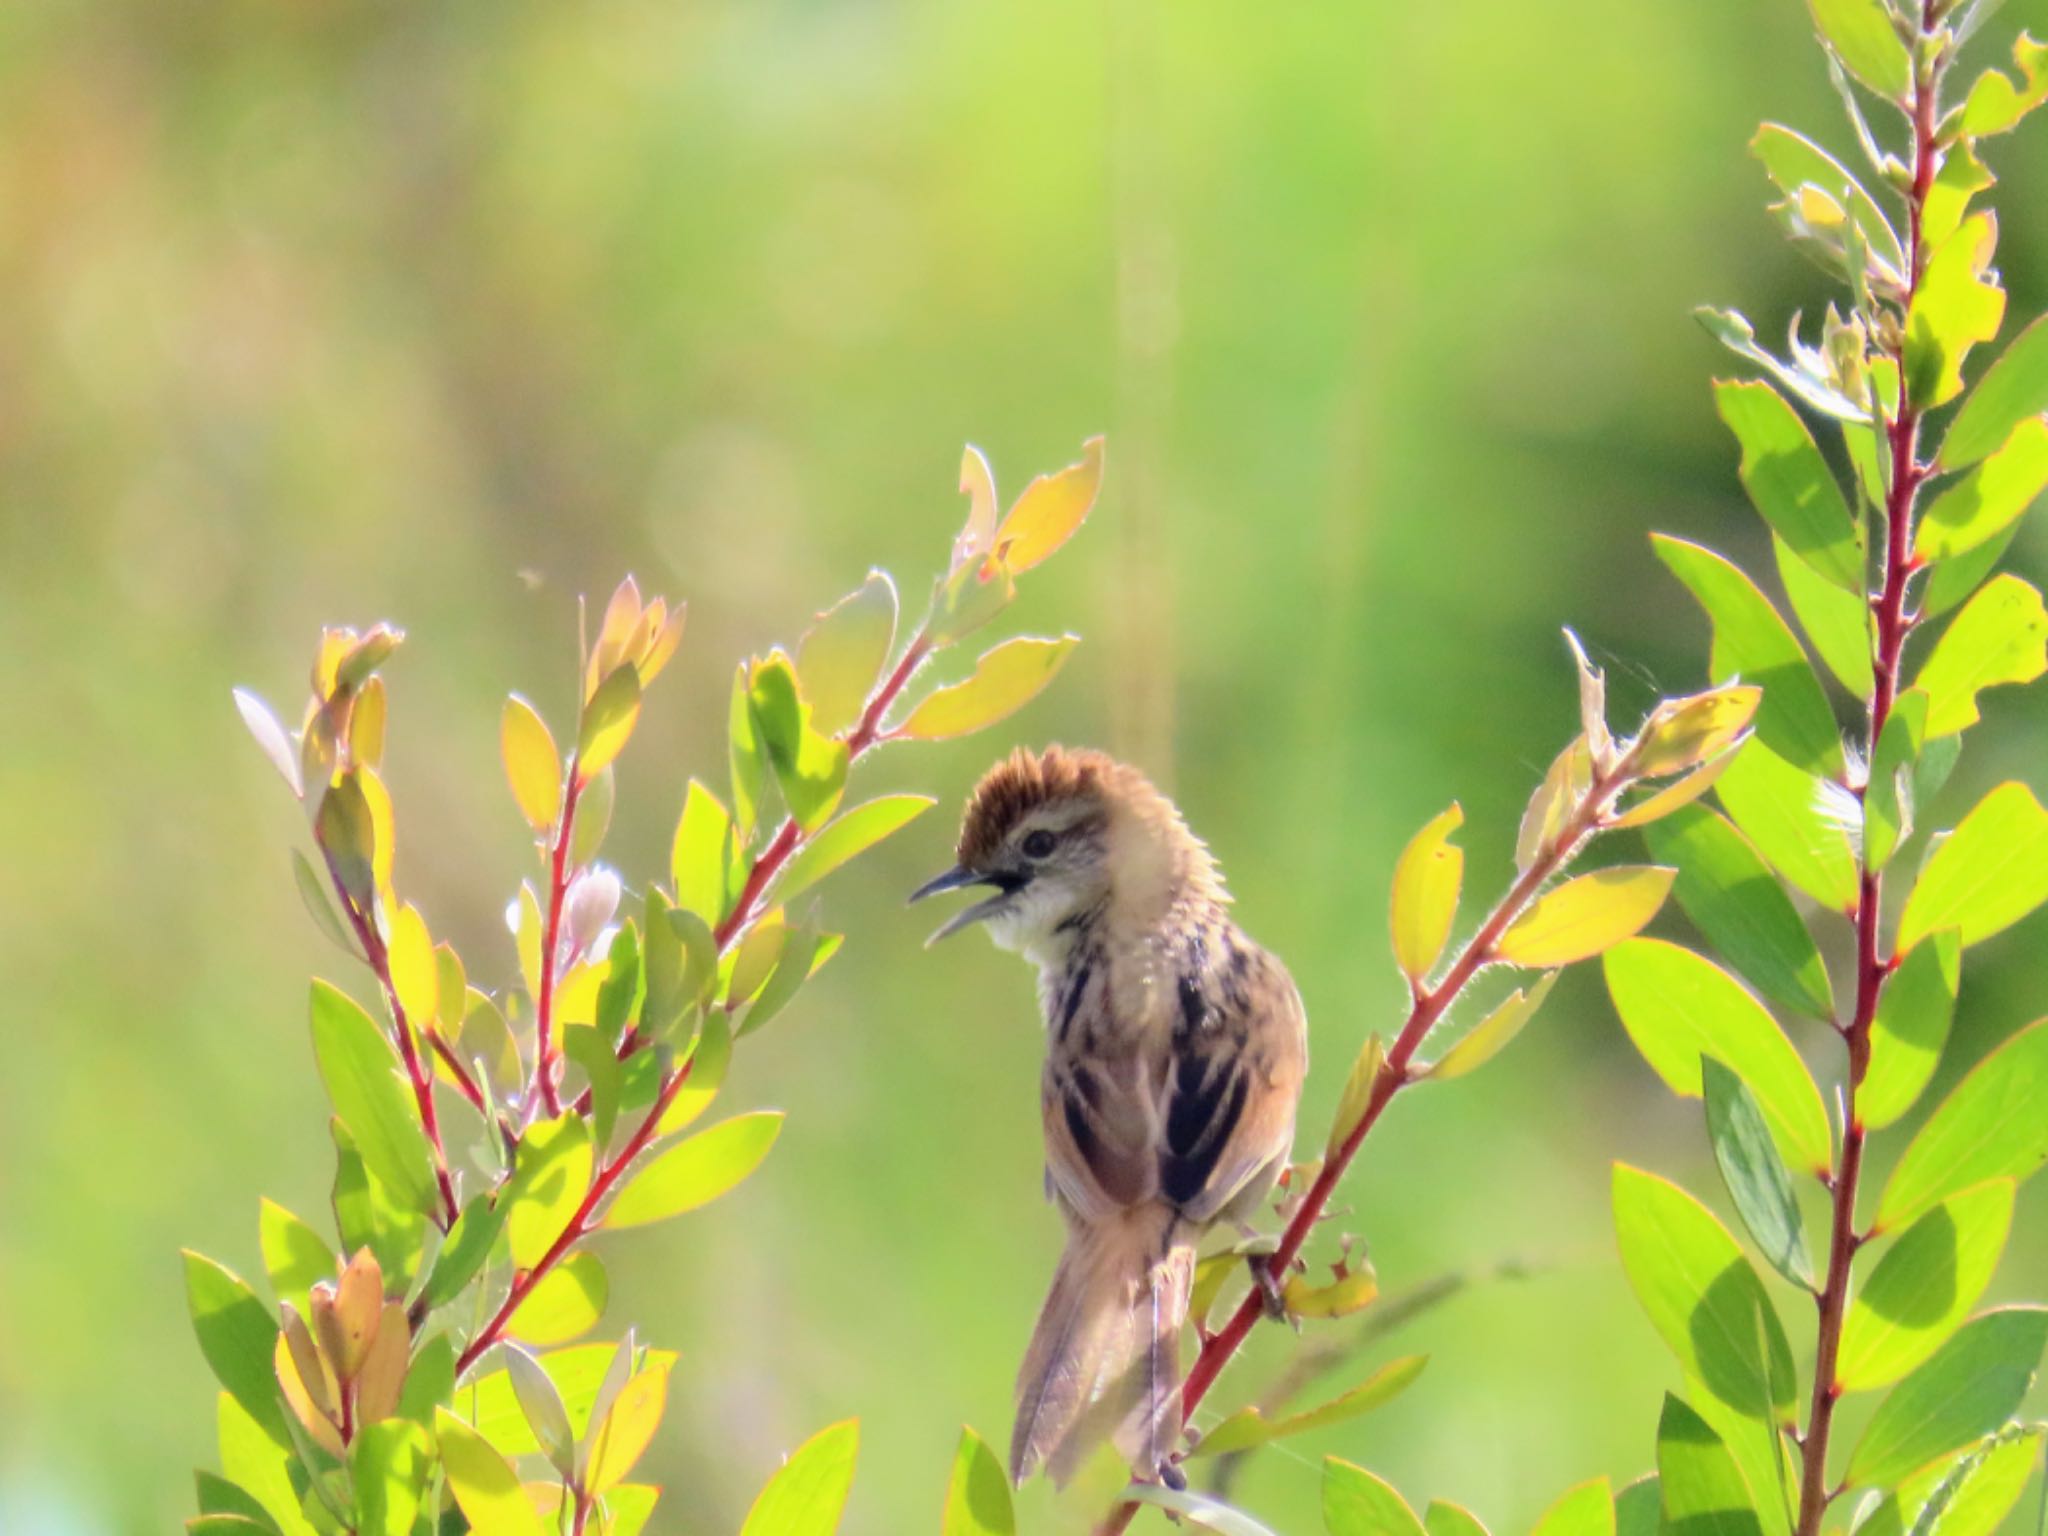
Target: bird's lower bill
999, 912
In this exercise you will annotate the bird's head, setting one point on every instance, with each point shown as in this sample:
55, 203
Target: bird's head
1061, 835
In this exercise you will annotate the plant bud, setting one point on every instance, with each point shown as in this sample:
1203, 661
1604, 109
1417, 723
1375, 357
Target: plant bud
383, 1373
593, 898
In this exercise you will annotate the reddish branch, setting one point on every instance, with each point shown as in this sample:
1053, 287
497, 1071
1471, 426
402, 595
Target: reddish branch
545, 1048
1872, 968
1395, 1073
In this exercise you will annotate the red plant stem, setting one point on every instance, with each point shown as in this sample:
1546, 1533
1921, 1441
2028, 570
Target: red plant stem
579, 1223
379, 960
770, 861
545, 1052
1428, 1007
463, 1081
1872, 969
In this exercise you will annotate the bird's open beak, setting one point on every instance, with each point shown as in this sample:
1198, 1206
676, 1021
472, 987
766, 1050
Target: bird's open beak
955, 879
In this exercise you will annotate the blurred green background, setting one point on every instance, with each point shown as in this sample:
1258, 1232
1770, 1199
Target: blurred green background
325, 311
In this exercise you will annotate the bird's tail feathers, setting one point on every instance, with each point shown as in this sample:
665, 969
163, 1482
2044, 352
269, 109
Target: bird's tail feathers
1104, 1361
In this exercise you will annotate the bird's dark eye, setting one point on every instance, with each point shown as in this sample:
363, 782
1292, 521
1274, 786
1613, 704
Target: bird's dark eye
1039, 844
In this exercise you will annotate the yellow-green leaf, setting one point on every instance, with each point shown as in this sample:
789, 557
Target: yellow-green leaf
845, 837
842, 656
1004, 681
532, 763
628, 1427
1249, 1426
567, 1301
978, 1492
1995, 104
1491, 1035
703, 860
1427, 878
1987, 500
1340, 1298
1584, 916
484, 1483
697, 1171
1859, 32
608, 720
1050, 509
1957, 304
1789, 482
1682, 733
1991, 872
2001, 636
415, 973
807, 1494
1351, 1105
550, 1175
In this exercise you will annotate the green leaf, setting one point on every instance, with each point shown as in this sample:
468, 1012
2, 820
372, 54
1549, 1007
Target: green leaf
225, 1525
1972, 1385
1924, 1286
1701, 1295
363, 1080
1205, 1510
1427, 878
1859, 33
794, 963
1956, 304
810, 767
1794, 161
608, 720
1995, 104
294, 1255
1910, 1029
1732, 898
1889, 802
746, 761
1754, 1173
1355, 1503
1990, 1127
1837, 622
621, 1436
429, 1381
484, 1482
1356, 1096
1444, 1518
390, 1459
567, 1301
347, 834
218, 1496
1990, 498
1005, 680
706, 856
1735, 333
1991, 872
255, 1460
697, 1171
2012, 389
807, 1494
540, 1404
978, 1493
624, 989
1679, 1007
1789, 482
237, 1335
1638, 1508
533, 764
1250, 1426
370, 1216
1753, 644
578, 1373
601, 1067
1790, 817
1491, 1035
847, 836
550, 1175
842, 656
1952, 581
1703, 1490
2001, 636
1584, 1510
707, 1064
1585, 916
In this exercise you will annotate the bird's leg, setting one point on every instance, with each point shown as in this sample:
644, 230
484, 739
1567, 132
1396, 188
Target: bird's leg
1264, 1277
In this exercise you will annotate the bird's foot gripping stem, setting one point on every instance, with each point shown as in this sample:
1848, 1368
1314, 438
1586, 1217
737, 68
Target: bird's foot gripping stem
1271, 1294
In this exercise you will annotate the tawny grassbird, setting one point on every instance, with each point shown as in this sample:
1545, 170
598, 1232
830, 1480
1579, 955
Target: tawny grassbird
1175, 1049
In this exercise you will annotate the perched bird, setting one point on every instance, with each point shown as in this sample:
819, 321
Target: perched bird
1175, 1050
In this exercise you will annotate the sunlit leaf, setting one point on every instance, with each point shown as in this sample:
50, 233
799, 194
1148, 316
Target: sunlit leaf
1995, 104
467, 1248
794, 962
1250, 1426
842, 656
1971, 1386
1989, 498
1910, 1029
808, 1492
1682, 792
1585, 1510
628, 1427
1890, 801
1049, 511
370, 1214
2001, 636
810, 767
579, 1373
746, 762
294, 1255
1789, 482
566, 1301
1703, 1490
484, 1482
1753, 645
697, 1171
550, 1175
363, 1080
1924, 1286
1788, 817
1585, 915
346, 830
1357, 1095
1443, 1518
1425, 901
1992, 871
978, 484
390, 1460
1638, 1508
237, 1335
608, 720
1837, 621
533, 765
1990, 1127
1682, 733
1956, 304
1551, 805
1702, 1296
270, 736
1491, 1035
1794, 161
1679, 1007
1859, 33
1339, 1298
1356, 1503
255, 1460
1736, 902
753, 961
1005, 680
415, 973
845, 837
2013, 389
704, 856
707, 1066
1754, 1173
1735, 333
977, 1493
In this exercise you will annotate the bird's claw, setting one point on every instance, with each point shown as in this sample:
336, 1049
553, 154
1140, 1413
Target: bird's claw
1271, 1296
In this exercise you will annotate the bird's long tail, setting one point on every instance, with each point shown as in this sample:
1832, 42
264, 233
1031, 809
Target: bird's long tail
1104, 1361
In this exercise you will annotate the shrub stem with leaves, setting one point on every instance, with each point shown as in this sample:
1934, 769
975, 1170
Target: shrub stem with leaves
418, 1372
